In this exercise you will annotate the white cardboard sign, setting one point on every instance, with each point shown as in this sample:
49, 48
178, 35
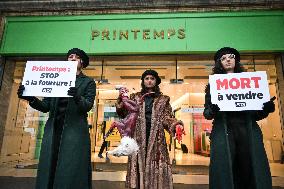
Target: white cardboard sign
49, 78
239, 91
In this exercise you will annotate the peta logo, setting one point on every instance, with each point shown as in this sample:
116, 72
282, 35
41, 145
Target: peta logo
46, 90
240, 104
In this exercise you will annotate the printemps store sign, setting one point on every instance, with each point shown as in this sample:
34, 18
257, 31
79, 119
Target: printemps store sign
139, 35
135, 34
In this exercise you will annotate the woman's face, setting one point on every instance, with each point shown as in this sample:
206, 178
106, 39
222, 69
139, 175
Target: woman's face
228, 62
149, 81
75, 57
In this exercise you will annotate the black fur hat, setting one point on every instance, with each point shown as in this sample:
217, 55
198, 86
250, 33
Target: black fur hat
153, 73
81, 54
227, 50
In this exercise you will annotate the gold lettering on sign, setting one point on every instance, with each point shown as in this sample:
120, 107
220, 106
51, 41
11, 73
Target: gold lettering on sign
105, 34
95, 33
114, 34
146, 34
122, 34
136, 34
181, 33
157, 34
135, 31
171, 32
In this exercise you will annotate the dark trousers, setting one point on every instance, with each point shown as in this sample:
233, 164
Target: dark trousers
241, 158
104, 145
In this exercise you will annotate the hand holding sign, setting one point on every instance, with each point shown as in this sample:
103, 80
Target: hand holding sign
269, 106
213, 108
73, 91
20, 94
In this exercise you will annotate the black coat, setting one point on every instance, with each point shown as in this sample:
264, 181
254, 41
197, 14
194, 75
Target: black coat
73, 170
220, 170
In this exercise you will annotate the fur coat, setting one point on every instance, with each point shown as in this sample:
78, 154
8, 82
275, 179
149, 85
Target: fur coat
151, 167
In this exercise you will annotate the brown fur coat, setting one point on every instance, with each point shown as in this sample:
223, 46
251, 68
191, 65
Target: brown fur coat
151, 169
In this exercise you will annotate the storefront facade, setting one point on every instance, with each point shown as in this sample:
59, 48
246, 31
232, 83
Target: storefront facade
180, 46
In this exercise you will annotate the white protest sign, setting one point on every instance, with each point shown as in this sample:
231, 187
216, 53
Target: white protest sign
239, 91
49, 78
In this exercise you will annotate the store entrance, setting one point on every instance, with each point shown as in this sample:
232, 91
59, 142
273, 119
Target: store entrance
184, 78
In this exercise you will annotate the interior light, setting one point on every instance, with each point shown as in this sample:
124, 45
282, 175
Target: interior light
180, 100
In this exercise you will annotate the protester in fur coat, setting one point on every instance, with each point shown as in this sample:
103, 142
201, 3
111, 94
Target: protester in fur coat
150, 168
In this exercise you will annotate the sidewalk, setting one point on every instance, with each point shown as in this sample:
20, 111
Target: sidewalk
11, 177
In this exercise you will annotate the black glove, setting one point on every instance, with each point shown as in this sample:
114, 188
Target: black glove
214, 108
20, 94
269, 106
73, 91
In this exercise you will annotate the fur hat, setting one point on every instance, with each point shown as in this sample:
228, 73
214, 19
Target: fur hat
153, 73
81, 54
227, 50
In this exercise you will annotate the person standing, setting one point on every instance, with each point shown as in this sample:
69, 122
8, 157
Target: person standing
65, 157
105, 143
150, 168
237, 155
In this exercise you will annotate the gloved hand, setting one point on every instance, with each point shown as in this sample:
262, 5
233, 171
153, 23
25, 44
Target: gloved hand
214, 108
73, 91
179, 132
269, 106
20, 94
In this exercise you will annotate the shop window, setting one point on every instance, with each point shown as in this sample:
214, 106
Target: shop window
187, 97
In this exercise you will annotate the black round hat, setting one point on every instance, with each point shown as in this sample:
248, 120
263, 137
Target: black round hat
81, 54
153, 73
227, 50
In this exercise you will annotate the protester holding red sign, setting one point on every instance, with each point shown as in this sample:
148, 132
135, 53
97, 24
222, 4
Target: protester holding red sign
65, 158
237, 158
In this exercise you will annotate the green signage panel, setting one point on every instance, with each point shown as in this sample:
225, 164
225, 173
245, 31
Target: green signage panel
174, 33
138, 36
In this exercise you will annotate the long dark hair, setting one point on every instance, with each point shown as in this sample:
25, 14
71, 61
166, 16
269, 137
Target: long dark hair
156, 89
